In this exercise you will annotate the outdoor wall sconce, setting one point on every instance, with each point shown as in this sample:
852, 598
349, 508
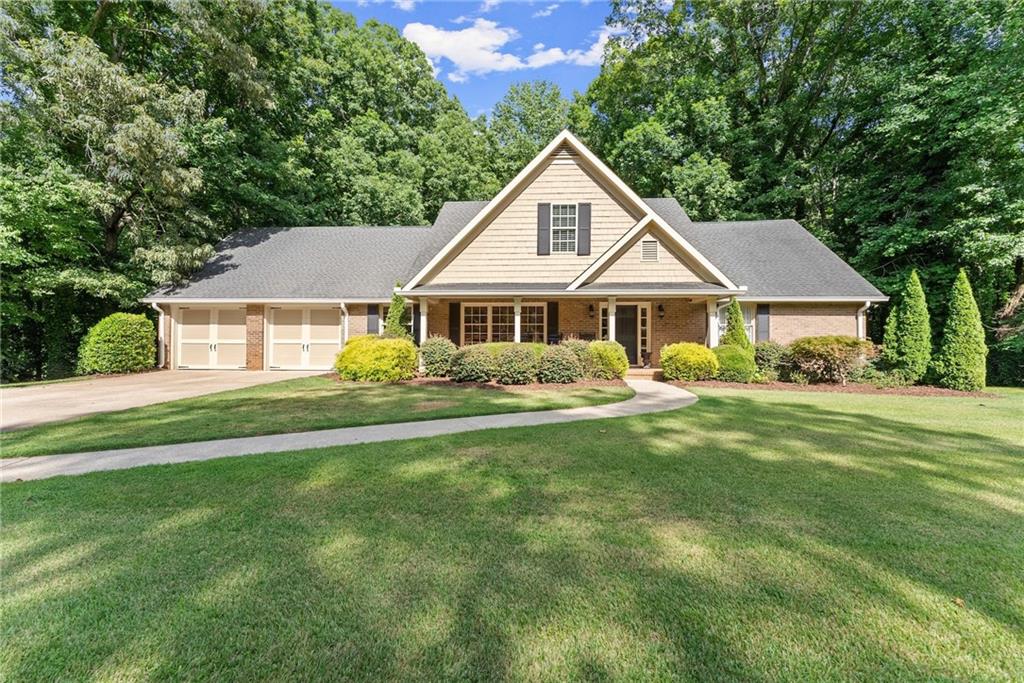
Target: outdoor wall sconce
590, 310
661, 310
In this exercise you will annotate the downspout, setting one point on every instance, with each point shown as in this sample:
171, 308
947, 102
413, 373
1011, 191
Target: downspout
344, 329
159, 336
862, 328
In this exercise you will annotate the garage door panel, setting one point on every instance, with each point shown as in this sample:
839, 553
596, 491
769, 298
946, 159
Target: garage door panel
194, 354
287, 323
195, 324
230, 355
324, 324
321, 356
231, 324
287, 354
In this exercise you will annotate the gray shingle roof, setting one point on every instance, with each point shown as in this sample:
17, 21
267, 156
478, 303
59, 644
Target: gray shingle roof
772, 258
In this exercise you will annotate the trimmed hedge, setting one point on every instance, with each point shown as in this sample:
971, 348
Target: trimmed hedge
369, 358
473, 363
121, 342
735, 327
516, 364
735, 363
607, 360
496, 348
688, 362
960, 362
437, 352
559, 365
828, 358
907, 345
582, 350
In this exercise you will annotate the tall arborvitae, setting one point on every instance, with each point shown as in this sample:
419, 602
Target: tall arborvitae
907, 346
960, 362
735, 328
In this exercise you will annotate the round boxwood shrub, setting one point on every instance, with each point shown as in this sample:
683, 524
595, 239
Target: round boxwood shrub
607, 360
829, 358
121, 342
771, 357
472, 364
688, 362
581, 349
437, 353
369, 358
517, 364
735, 363
559, 365
960, 362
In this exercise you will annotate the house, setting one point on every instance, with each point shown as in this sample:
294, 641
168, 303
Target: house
565, 249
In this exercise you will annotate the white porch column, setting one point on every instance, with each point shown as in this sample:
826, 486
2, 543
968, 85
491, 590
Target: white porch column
344, 323
611, 318
712, 323
517, 308
423, 320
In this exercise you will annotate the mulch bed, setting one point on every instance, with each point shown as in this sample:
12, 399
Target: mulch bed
536, 386
838, 389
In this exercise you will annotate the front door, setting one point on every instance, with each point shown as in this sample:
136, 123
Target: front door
625, 331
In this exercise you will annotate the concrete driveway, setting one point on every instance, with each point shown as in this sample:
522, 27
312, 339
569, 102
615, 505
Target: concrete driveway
32, 405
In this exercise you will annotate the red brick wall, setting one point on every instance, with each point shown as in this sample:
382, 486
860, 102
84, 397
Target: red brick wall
254, 336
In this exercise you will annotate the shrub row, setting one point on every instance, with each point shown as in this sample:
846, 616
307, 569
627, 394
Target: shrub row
369, 358
510, 363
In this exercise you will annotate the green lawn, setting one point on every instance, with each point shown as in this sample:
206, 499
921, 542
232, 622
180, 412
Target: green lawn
755, 536
290, 406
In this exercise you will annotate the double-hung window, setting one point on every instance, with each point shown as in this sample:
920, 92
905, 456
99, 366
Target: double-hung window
563, 228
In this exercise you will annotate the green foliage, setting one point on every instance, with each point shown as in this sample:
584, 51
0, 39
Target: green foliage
397, 323
581, 349
907, 347
607, 360
516, 364
829, 358
559, 365
771, 357
496, 348
688, 362
473, 364
369, 358
735, 363
121, 342
525, 121
735, 328
437, 352
960, 362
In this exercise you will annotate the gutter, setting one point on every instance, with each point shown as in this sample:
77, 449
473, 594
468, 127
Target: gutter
159, 336
862, 328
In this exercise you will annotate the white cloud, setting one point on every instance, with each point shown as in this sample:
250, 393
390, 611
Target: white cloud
479, 49
546, 12
405, 5
488, 5
461, 19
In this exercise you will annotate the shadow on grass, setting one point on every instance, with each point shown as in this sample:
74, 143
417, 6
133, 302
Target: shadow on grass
737, 539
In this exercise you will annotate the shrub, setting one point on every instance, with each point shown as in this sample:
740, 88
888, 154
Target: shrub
396, 325
829, 358
607, 360
870, 373
517, 364
472, 364
735, 363
688, 362
437, 353
369, 358
735, 328
496, 348
907, 345
121, 342
581, 349
960, 362
559, 365
771, 357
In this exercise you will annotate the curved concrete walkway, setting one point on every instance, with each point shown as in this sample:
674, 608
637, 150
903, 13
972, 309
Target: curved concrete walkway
651, 397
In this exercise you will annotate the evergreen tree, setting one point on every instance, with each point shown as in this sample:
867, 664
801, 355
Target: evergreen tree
907, 346
735, 328
397, 323
960, 362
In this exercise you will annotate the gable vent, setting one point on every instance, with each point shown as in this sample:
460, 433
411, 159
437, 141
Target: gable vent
649, 250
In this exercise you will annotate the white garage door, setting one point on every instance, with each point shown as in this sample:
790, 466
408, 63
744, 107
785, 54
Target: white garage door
211, 338
304, 338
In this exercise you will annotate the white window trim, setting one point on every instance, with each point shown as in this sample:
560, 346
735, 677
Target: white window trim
657, 250
750, 327
490, 317
575, 229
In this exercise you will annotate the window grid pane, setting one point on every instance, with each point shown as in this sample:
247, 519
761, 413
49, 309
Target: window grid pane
563, 228
474, 324
503, 323
531, 323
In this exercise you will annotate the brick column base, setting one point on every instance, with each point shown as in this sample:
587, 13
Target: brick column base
254, 337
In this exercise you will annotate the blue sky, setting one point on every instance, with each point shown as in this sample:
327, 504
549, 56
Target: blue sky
479, 48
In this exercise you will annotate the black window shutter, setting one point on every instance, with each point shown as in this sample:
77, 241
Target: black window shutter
762, 324
543, 229
552, 322
583, 229
416, 327
372, 319
454, 321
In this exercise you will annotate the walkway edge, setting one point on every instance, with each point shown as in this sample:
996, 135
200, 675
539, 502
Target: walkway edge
650, 397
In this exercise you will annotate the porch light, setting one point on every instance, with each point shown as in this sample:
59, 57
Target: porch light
661, 310
590, 310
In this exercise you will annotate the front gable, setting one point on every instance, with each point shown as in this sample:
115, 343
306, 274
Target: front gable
647, 258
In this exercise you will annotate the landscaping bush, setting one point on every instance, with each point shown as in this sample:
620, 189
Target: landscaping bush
771, 357
396, 324
735, 363
473, 364
121, 342
688, 362
907, 345
559, 365
607, 360
829, 358
960, 362
497, 348
437, 353
581, 349
369, 358
735, 328
516, 364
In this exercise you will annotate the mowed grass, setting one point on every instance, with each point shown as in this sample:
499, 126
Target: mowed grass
755, 536
289, 406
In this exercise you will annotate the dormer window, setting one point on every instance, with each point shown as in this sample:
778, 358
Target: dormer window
563, 228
